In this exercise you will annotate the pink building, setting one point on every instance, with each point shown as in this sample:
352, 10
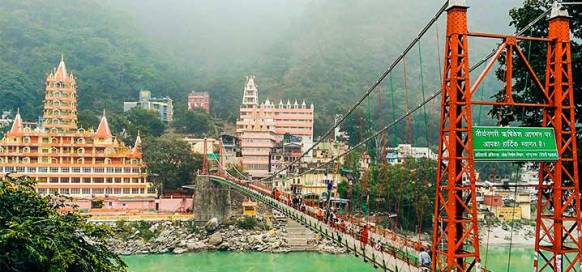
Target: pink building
261, 125
199, 100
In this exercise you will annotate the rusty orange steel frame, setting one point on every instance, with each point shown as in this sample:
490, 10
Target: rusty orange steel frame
455, 231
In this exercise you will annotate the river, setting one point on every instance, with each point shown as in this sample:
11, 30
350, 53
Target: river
497, 258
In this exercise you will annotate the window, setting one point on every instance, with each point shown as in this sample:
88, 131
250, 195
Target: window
26, 140
54, 180
126, 190
81, 161
41, 191
86, 169
75, 180
65, 170
118, 170
65, 191
53, 190
65, 180
81, 150
98, 191
98, 170
109, 180
86, 191
54, 169
127, 170
117, 180
76, 170
98, 180
75, 191
86, 180
117, 191
9, 169
110, 170
135, 190
108, 190
20, 169
32, 169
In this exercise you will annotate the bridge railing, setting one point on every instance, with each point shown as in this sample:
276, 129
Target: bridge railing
384, 255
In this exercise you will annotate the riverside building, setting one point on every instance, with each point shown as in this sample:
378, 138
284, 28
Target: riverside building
261, 125
64, 158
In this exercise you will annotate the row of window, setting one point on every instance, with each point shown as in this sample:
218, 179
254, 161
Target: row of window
89, 180
252, 166
94, 191
56, 160
22, 169
27, 149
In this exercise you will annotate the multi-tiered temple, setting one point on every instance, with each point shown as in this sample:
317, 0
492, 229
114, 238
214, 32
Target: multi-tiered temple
67, 159
261, 125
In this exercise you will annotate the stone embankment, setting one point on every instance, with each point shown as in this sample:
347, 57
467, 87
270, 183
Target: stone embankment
180, 237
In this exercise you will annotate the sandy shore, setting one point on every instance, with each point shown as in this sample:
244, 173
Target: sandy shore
523, 235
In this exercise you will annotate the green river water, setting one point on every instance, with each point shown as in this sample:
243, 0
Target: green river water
521, 260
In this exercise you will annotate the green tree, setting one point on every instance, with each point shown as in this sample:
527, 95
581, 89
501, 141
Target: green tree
145, 121
402, 189
36, 236
171, 159
524, 89
197, 122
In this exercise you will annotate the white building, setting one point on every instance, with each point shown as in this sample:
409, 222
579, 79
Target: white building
162, 105
398, 154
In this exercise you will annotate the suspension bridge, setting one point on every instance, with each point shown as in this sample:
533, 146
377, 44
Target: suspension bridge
455, 244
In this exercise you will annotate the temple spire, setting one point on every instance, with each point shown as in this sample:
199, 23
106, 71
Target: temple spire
17, 124
61, 72
137, 144
103, 129
251, 94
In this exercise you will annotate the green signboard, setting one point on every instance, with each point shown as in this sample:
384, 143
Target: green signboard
514, 144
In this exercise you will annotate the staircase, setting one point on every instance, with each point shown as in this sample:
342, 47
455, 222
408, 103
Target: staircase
298, 237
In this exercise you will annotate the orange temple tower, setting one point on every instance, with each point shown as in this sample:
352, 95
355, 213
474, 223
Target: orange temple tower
70, 160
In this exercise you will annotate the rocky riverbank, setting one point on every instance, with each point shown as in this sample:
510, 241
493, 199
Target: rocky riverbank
179, 237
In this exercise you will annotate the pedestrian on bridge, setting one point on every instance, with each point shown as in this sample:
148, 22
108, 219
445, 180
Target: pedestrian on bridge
424, 260
364, 236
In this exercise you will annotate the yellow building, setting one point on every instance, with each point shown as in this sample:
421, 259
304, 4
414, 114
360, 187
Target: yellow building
249, 208
312, 183
508, 213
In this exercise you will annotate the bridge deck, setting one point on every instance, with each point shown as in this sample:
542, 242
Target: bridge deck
380, 259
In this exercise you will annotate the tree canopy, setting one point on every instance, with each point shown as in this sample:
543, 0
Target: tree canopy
36, 236
170, 161
197, 122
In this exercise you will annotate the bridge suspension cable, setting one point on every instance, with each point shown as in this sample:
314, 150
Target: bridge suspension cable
423, 103
368, 92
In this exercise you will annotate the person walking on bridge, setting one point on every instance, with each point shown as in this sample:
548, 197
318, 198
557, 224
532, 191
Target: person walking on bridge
364, 236
424, 260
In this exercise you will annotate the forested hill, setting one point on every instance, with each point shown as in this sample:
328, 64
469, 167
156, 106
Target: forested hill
103, 49
324, 51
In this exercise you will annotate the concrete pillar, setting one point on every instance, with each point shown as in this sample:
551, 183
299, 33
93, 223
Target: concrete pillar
210, 199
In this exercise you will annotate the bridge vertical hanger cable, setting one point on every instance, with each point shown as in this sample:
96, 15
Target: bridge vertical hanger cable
435, 94
370, 90
513, 219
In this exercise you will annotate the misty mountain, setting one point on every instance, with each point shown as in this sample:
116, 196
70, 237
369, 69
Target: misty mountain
324, 51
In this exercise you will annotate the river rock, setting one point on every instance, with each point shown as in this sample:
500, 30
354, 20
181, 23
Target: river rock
215, 239
211, 225
195, 246
179, 250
